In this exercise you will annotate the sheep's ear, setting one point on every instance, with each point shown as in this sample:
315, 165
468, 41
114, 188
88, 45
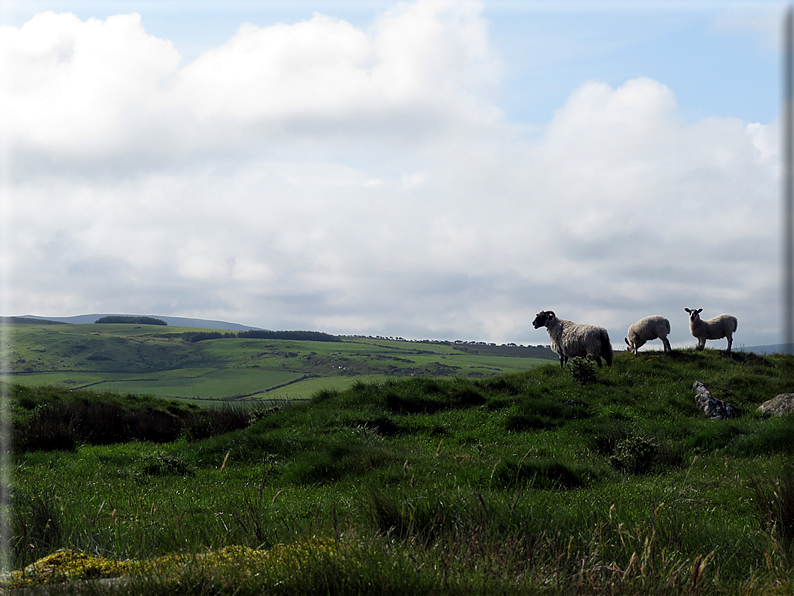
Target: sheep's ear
626, 339
698, 311
686, 309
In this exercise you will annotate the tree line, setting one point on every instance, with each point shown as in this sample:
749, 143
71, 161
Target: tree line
194, 336
130, 320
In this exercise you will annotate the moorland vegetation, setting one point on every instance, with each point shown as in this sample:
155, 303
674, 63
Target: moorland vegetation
546, 481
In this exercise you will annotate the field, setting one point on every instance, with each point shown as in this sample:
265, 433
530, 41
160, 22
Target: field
545, 481
161, 361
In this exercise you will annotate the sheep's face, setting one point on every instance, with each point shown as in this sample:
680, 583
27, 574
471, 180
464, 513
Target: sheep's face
543, 319
694, 315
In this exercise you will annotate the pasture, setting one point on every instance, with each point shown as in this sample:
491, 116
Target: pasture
157, 360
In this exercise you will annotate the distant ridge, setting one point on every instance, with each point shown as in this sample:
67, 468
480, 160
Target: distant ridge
172, 321
771, 349
28, 320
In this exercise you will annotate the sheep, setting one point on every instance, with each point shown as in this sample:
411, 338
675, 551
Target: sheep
716, 328
647, 329
569, 339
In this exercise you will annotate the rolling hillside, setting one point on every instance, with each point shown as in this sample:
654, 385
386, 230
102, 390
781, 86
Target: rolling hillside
168, 362
547, 481
172, 321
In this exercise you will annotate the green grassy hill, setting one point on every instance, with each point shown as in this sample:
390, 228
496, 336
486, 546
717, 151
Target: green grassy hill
546, 481
165, 361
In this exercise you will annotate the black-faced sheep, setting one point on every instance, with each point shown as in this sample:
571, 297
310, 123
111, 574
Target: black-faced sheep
569, 339
716, 328
655, 327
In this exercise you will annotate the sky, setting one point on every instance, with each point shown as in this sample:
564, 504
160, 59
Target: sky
431, 169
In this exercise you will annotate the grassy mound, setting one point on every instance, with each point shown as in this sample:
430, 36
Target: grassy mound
548, 481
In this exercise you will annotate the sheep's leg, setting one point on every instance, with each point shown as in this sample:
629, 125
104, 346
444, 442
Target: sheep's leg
666, 343
730, 342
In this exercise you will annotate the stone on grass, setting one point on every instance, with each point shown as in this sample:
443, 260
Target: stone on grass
780, 405
714, 408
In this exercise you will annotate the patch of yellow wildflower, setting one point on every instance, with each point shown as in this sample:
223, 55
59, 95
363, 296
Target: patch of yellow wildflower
65, 565
242, 561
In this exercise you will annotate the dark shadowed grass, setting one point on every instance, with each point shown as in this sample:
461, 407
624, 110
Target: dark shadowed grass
39, 525
537, 411
542, 474
774, 497
46, 418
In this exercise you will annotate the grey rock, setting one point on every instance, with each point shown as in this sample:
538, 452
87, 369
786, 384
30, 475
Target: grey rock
714, 408
780, 405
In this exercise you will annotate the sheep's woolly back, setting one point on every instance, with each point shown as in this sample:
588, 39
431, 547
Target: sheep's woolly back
569, 339
649, 328
716, 328
723, 324
645, 330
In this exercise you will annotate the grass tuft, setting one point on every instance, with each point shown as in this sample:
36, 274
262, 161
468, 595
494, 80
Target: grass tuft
542, 474
774, 497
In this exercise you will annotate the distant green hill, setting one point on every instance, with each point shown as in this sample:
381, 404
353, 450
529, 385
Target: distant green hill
171, 321
237, 365
28, 321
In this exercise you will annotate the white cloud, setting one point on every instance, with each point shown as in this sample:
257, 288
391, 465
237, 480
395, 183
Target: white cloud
91, 90
317, 175
315, 68
762, 21
80, 87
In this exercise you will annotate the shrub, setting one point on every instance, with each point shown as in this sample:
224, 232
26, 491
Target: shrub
635, 455
583, 370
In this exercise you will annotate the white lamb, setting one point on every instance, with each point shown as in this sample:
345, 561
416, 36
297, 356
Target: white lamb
569, 339
716, 328
655, 327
